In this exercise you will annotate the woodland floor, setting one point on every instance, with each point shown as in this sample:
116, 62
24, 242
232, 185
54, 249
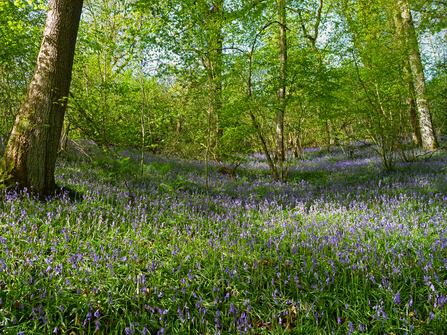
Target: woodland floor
342, 248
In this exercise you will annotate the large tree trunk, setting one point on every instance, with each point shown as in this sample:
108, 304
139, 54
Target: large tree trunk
31, 152
429, 141
408, 79
411, 106
282, 88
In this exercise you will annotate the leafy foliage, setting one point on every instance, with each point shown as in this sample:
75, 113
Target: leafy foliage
21, 26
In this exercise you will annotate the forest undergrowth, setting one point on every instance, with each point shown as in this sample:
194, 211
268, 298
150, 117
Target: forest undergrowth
342, 248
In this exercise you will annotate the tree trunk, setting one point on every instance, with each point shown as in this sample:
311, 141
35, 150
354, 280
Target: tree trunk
64, 138
143, 109
30, 156
411, 107
408, 79
215, 59
282, 88
330, 136
298, 152
429, 141
272, 166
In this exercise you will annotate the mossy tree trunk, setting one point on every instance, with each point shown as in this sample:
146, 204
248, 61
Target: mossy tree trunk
30, 155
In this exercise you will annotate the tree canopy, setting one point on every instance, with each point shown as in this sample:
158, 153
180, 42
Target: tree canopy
211, 79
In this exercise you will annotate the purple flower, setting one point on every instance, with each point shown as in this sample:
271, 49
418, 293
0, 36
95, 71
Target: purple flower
232, 309
397, 299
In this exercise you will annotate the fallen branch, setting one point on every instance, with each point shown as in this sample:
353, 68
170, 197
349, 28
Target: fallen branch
226, 171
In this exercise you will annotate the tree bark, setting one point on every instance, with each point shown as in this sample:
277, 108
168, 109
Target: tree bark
408, 79
411, 106
282, 88
429, 141
30, 156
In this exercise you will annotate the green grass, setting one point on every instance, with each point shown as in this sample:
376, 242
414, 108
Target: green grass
249, 256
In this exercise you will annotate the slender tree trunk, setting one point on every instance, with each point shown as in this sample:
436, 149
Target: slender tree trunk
272, 166
299, 143
330, 138
143, 109
184, 106
293, 145
282, 88
273, 170
178, 129
215, 68
64, 138
429, 141
30, 156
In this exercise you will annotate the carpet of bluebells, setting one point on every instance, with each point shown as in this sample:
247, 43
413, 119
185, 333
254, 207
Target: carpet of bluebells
343, 248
